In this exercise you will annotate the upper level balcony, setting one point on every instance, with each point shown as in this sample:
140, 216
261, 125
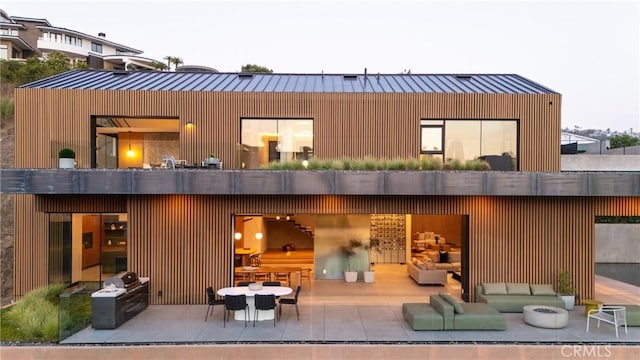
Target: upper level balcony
50, 45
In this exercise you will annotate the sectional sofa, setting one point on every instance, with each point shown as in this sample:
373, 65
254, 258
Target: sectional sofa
443, 312
512, 297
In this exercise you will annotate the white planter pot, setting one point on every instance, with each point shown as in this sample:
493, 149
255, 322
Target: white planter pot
369, 276
65, 163
351, 276
569, 301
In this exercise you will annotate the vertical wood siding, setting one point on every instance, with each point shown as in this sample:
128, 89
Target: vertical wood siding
185, 243
345, 124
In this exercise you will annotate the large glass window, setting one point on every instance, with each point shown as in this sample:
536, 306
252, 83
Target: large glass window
267, 140
86, 247
495, 141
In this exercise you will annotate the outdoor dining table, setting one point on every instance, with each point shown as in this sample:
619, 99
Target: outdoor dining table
266, 290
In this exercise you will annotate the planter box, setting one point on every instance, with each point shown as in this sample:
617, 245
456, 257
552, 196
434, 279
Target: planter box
66, 163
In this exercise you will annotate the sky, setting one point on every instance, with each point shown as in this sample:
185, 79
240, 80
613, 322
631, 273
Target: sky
588, 51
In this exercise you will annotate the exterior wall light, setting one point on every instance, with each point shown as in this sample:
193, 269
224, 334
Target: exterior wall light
259, 235
189, 124
305, 163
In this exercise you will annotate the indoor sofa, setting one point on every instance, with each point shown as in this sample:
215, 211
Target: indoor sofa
512, 297
443, 312
422, 275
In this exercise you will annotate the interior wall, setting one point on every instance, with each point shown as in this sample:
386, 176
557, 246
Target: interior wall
281, 232
448, 226
157, 145
91, 256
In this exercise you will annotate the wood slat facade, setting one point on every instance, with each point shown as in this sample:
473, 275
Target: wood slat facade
367, 124
184, 242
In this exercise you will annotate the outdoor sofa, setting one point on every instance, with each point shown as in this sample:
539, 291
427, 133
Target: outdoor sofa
443, 312
512, 297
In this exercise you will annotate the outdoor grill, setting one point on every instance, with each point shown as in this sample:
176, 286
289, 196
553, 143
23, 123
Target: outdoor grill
124, 296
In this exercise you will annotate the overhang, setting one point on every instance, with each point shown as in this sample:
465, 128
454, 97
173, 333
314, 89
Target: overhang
270, 182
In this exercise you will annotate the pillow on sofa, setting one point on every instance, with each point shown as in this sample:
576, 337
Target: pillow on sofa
456, 307
444, 256
430, 265
422, 265
518, 289
494, 288
542, 289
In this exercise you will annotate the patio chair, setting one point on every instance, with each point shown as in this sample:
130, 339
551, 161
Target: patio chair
265, 302
211, 301
236, 303
614, 315
291, 301
170, 162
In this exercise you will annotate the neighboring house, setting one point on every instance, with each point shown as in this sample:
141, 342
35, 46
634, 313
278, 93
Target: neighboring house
574, 143
178, 227
21, 38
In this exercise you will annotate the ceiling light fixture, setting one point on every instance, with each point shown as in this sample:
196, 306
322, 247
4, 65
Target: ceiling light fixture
130, 152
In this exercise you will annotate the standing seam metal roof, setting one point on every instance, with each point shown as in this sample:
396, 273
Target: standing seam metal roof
291, 83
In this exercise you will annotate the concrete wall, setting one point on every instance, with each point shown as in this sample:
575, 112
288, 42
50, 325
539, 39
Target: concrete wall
617, 243
600, 162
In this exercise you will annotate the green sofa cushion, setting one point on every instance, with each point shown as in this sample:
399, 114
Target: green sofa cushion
515, 303
495, 288
542, 289
422, 316
478, 316
518, 289
456, 306
444, 308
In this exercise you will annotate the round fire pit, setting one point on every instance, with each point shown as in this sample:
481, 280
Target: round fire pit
548, 317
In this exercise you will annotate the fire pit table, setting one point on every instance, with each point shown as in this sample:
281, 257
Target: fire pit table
548, 317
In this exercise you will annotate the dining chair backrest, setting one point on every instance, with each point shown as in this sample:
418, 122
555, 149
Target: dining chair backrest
297, 293
235, 302
245, 283
271, 283
211, 296
265, 302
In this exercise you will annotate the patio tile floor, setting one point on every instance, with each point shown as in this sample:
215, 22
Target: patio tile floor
337, 312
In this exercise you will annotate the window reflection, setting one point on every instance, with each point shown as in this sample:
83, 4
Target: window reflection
267, 140
495, 141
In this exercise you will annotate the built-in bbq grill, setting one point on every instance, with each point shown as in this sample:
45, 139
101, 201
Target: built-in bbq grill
124, 296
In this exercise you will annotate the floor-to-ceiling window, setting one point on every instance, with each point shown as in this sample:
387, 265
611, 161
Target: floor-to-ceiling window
495, 141
267, 140
122, 142
86, 247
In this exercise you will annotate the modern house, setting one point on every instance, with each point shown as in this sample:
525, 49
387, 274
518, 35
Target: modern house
120, 208
22, 37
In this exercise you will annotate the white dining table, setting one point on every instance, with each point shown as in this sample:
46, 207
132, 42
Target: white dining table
266, 290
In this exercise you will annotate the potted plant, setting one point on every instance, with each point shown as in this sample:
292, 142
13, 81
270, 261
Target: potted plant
369, 274
67, 158
349, 251
566, 290
213, 159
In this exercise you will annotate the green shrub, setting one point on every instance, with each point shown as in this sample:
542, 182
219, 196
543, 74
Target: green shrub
35, 317
67, 153
453, 164
430, 163
6, 108
477, 165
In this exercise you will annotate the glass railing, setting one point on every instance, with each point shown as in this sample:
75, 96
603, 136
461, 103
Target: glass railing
75, 309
